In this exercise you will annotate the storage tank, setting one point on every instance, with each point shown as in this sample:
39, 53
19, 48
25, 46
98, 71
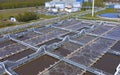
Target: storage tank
72, 10
54, 10
68, 10
61, 9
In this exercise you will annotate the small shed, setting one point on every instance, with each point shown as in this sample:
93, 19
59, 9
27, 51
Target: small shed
13, 19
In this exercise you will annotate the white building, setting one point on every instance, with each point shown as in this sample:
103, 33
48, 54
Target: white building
76, 4
117, 6
63, 5
65, 1
60, 5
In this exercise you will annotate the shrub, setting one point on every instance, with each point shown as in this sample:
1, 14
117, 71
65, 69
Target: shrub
27, 16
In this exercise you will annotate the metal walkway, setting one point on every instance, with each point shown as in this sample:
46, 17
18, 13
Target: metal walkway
65, 29
117, 70
23, 43
76, 42
114, 52
101, 36
37, 31
7, 70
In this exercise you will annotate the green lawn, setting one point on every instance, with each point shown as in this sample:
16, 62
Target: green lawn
6, 13
43, 16
108, 10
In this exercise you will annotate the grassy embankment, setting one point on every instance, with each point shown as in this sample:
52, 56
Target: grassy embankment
15, 7
95, 17
5, 15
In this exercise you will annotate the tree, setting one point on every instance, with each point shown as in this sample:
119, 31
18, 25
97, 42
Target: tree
27, 16
99, 3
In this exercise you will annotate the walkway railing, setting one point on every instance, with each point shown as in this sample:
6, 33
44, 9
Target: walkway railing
117, 70
23, 43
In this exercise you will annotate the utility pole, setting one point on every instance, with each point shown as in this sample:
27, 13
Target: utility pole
93, 6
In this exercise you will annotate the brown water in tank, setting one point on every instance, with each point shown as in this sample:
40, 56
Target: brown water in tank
36, 66
108, 63
19, 55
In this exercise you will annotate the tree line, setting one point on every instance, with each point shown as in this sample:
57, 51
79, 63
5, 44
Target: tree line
88, 5
98, 3
8, 4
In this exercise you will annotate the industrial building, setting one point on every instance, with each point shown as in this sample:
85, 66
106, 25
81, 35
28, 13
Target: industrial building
64, 5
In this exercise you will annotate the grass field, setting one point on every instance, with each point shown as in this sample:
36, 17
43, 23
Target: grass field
15, 7
6, 13
108, 10
102, 12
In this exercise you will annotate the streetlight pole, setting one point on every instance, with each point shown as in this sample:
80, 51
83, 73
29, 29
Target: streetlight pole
93, 6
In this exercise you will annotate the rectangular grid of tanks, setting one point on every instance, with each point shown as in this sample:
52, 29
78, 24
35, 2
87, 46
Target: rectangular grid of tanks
70, 47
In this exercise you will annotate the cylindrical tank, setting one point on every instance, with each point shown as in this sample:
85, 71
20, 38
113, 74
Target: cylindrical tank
54, 9
61, 9
68, 6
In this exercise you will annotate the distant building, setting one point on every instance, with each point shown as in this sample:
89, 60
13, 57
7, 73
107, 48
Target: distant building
64, 5
115, 6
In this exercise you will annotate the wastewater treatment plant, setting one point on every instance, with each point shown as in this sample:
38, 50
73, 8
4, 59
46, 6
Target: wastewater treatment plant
69, 47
